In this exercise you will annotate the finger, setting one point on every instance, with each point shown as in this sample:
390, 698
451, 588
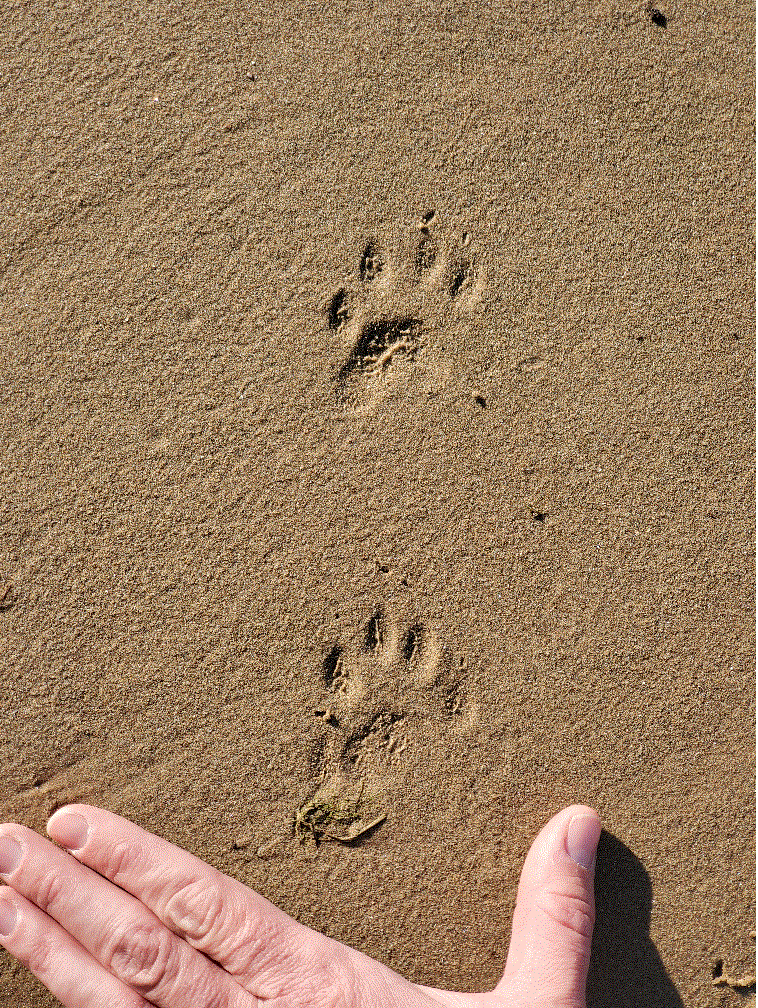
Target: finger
258, 945
117, 930
49, 952
552, 928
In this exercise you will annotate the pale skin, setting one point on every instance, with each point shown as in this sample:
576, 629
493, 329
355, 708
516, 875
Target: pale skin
128, 920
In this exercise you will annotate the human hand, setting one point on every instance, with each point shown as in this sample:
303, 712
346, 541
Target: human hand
131, 921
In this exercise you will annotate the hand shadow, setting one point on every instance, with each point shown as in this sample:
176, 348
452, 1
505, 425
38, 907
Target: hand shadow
625, 970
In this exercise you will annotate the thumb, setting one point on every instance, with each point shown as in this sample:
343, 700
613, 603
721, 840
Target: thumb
552, 927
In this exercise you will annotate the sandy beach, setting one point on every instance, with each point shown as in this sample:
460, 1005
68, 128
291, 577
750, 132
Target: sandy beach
377, 403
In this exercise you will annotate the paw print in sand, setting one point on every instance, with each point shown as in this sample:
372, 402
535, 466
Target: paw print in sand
386, 315
381, 696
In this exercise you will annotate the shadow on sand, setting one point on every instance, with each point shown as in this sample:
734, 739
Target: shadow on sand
626, 970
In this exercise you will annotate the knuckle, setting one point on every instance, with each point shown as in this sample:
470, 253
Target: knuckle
329, 983
49, 891
38, 955
569, 908
122, 858
344, 992
213, 920
219, 997
143, 955
347, 990
255, 946
249, 940
195, 909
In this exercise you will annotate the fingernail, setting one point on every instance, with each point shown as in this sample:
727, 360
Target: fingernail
69, 829
582, 840
10, 855
8, 917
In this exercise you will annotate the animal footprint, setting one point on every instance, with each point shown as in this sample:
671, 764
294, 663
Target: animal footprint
382, 695
741, 985
386, 315
8, 598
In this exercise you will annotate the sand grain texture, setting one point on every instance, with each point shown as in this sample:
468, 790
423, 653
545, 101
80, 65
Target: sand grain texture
377, 391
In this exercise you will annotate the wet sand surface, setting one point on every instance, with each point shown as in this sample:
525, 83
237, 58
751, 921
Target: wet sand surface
377, 395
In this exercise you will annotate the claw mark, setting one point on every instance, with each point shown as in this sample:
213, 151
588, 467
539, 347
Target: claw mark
449, 686
372, 262
461, 279
332, 667
375, 633
413, 643
426, 254
338, 311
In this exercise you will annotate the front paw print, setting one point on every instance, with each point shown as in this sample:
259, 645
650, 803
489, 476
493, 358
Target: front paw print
385, 315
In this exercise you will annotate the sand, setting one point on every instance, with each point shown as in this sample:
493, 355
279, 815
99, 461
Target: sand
377, 412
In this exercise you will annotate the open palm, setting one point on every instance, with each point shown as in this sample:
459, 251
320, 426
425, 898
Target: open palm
131, 921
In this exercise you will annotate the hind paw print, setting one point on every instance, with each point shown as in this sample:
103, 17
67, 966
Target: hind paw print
382, 695
385, 316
